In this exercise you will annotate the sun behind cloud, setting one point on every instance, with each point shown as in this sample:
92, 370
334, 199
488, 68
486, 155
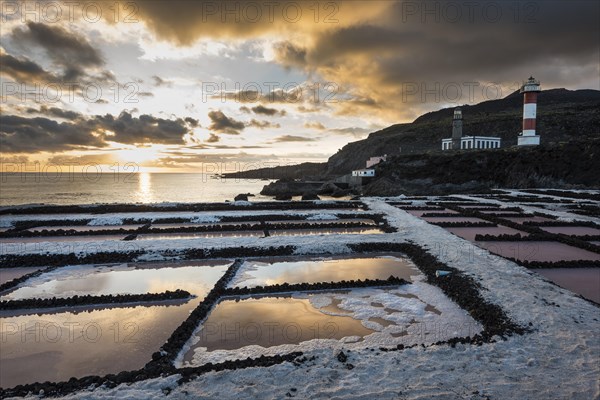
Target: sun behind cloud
137, 155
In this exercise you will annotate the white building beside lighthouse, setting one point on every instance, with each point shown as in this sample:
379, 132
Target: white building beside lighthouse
530, 90
458, 141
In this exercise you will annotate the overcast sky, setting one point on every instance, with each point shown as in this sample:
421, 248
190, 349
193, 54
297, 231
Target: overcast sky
170, 85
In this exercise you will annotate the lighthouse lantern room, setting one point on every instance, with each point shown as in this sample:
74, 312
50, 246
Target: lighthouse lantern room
530, 90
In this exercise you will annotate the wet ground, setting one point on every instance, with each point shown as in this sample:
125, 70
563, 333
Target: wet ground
259, 273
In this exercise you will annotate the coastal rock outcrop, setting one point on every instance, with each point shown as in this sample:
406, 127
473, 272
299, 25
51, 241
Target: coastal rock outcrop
289, 188
310, 196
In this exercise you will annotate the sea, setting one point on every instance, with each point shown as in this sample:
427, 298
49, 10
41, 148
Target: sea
141, 187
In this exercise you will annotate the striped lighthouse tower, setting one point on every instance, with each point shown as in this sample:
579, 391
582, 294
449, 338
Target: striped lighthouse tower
530, 90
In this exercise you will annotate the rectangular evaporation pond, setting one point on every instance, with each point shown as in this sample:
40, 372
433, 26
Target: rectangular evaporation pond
539, 251
62, 239
84, 228
418, 213
325, 221
583, 281
469, 233
572, 230
195, 225
8, 274
453, 219
197, 277
325, 231
520, 220
56, 347
499, 212
197, 235
367, 317
257, 273
293, 316
480, 206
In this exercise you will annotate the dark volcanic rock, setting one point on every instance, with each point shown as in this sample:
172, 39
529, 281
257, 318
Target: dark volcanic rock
241, 197
289, 188
341, 193
387, 187
328, 188
310, 196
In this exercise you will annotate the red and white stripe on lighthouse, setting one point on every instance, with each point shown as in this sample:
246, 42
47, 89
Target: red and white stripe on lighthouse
530, 89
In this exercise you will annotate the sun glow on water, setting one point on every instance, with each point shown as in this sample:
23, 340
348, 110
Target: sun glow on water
144, 193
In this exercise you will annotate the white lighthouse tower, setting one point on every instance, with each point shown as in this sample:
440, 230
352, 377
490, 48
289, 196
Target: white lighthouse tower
530, 90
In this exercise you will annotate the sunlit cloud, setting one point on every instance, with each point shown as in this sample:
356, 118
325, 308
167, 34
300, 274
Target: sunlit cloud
185, 75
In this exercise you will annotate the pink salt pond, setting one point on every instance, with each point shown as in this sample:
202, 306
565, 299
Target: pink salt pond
453, 219
8, 274
539, 251
480, 206
534, 218
572, 230
469, 233
497, 211
583, 281
419, 213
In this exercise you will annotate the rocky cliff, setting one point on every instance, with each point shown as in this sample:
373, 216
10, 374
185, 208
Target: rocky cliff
563, 115
568, 122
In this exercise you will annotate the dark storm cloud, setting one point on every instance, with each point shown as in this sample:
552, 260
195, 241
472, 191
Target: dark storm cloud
63, 47
292, 95
32, 135
55, 112
380, 60
224, 124
142, 129
23, 70
572, 29
183, 22
260, 109
194, 123
70, 51
78, 61
377, 47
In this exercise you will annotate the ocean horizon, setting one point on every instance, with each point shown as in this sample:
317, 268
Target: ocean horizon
139, 187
